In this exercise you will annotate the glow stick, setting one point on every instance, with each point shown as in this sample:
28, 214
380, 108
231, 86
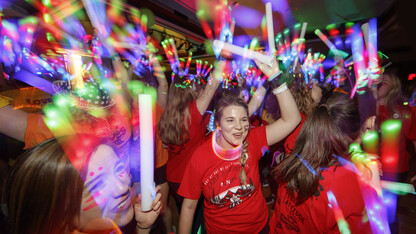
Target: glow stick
339, 216
146, 151
188, 62
375, 179
208, 70
397, 187
327, 42
34, 81
76, 69
357, 55
270, 32
240, 51
372, 47
303, 30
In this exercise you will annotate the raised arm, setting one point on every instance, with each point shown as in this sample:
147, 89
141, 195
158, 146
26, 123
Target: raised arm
202, 102
13, 122
290, 116
187, 215
256, 100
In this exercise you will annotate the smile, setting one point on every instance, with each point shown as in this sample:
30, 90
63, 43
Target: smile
238, 135
124, 204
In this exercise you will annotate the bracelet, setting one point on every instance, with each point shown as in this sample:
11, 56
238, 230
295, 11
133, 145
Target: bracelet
143, 227
273, 81
274, 76
115, 57
280, 89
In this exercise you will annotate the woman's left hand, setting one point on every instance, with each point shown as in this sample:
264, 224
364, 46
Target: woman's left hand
147, 218
268, 70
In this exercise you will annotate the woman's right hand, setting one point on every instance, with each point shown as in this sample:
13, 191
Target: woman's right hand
146, 219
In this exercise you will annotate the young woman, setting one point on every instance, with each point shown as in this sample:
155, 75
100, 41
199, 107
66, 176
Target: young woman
225, 168
307, 97
80, 185
390, 106
182, 128
315, 174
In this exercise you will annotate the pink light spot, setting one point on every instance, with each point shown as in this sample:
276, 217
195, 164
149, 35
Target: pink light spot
100, 168
92, 174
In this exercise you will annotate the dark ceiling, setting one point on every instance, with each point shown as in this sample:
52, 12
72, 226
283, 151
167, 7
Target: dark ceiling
396, 24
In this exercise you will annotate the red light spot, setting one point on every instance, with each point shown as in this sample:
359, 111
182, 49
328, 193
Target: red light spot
411, 76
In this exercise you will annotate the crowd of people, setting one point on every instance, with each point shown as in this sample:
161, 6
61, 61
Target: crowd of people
82, 175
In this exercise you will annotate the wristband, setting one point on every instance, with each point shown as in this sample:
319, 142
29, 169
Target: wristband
273, 81
280, 89
143, 227
115, 57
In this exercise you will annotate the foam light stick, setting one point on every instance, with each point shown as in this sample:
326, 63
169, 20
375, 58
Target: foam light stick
34, 81
339, 216
327, 42
146, 151
371, 43
76, 70
396, 187
370, 142
270, 32
358, 58
240, 51
390, 140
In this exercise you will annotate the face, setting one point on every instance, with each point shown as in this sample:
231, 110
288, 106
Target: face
384, 87
107, 188
233, 126
316, 92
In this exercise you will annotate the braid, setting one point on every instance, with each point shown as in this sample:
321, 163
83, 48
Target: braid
243, 161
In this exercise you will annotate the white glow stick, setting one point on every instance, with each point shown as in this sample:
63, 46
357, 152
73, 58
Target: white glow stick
372, 44
364, 29
303, 30
76, 70
270, 32
240, 51
300, 42
327, 42
146, 151
398, 187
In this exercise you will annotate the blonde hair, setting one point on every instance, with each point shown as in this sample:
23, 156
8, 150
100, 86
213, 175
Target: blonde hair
173, 124
243, 160
394, 97
303, 98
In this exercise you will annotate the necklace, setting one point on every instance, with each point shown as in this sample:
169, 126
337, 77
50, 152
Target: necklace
224, 154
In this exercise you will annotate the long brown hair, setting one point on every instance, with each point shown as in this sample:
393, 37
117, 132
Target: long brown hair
394, 99
233, 100
44, 189
303, 97
328, 130
173, 124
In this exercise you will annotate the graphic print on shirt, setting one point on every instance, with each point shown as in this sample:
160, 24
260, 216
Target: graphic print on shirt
226, 188
292, 217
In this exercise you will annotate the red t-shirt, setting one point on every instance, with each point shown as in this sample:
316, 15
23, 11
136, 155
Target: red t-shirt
408, 132
180, 155
228, 206
291, 139
315, 215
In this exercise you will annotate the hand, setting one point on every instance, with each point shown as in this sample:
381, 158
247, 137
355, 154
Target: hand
268, 70
369, 124
219, 68
146, 219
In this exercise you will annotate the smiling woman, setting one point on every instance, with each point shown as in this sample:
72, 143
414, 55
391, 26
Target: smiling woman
47, 193
225, 168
